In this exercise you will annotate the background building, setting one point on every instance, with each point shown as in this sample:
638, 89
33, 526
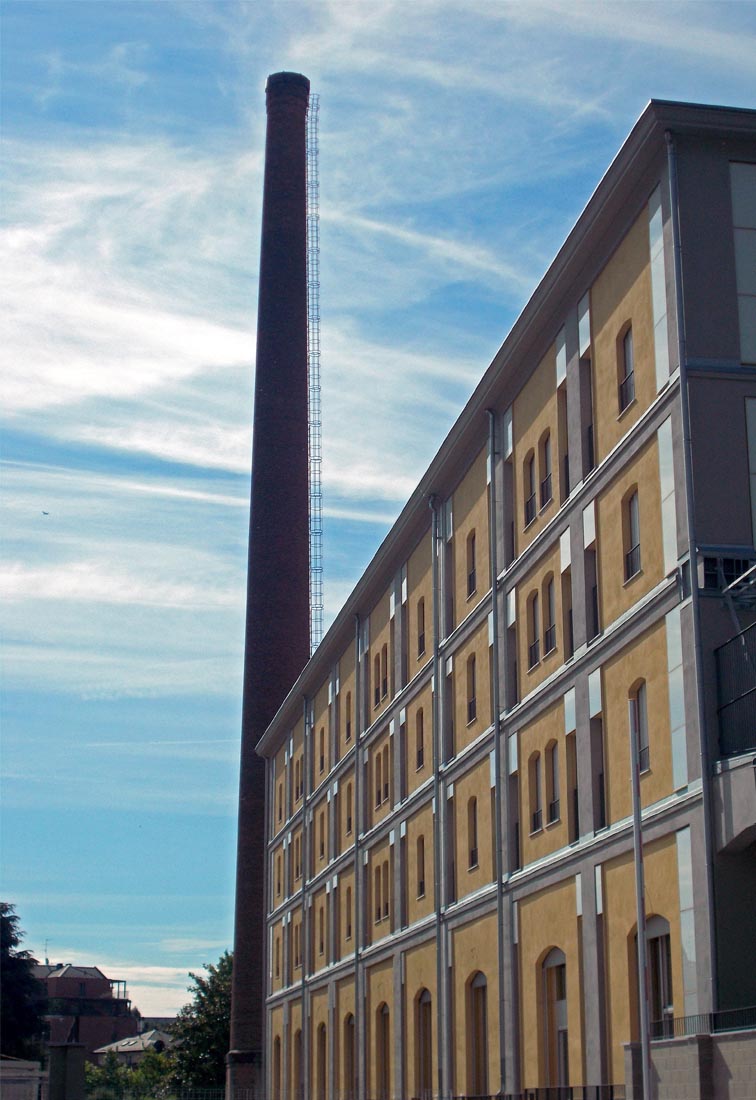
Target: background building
451, 879
81, 1005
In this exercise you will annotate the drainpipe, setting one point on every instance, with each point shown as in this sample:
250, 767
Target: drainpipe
441, 1036
640, 912
357, 924
494, 571
693, 555
306, 864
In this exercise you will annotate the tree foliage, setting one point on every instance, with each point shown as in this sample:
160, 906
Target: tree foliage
20, 1002
202, 1028
150, 1079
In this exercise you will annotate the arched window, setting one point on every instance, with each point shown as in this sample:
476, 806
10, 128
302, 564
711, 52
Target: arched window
625, 368
384, 671
349, 809
472, 707
296, 780
378, 767
377, 679
549, 616
423, 1046
420, 738
386, 890
631, 533
420, 627
477, 1035
277, 1068
350, 1061
471, 573
529, 488
383, 1051
321, 825
348, 716
386, 774
321, 931
534, 631
322, 750
638, 718
552, 781
544, 448
534, 782
421, 866
298, 857
348, 921
278, 958
279, 867
472, 832
280, 801
322, 1064
377, 894
659, 957
297, 1066
555, 1023
297, 956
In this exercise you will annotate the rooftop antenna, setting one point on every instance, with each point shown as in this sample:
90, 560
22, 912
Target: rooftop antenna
313, 377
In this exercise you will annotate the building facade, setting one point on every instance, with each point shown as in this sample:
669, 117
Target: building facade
451, 875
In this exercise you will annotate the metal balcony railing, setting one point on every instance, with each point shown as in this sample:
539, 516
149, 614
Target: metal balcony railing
553, 810
736, 690
705, 1023
546, 490
530, 509
537, 821
626, 393
534, 653
549, 639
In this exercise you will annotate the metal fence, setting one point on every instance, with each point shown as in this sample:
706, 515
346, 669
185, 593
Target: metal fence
705, 1023
736, 685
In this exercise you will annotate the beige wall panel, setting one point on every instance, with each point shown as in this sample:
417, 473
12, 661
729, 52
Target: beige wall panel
344, 1009
474, 950
320, 1073
346, 917
474, 784
380, 790
616, 594
416, 776
295, 1025
420, 587
419, 975
379, 922
470, 512
297, 762
465, 732
319, 853
381, 633
420, 825
662, 899
645, 660
622, 293
534, 581
534, 738
546, 920
320, 727
536, 412
346, 700
379, 991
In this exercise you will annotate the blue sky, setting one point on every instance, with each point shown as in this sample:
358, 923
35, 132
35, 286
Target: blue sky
458, 144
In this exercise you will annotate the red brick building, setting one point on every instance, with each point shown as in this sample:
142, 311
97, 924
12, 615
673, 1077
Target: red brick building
82, 1005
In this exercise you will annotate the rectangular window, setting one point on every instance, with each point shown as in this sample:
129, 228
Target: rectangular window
639, 724
632, 522
626, 372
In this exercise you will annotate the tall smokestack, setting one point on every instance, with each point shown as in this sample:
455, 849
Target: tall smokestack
278, 618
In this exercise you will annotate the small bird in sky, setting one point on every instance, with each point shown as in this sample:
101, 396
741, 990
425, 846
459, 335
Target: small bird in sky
45, 513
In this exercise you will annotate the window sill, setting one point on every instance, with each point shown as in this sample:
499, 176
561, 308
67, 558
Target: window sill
473, 867
549, 652
634, 577
627, 408
556, 821
536, 831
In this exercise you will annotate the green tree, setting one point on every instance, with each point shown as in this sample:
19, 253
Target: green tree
151, 1077
20, 995
110, 1081
202, 1028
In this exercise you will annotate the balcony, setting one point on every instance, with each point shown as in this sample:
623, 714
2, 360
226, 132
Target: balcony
736, 691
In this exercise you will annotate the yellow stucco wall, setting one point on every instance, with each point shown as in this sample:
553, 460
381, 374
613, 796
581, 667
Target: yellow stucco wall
295, 1025
662, 899
345, 1003
476, 784
546, 920
378, 924
345, 900
379, 990
319, 906
617, 594
622, 293
534, 738
416, 776
470, 511
419, 974
474, 950
297, 736
346, 688
379, 803
645, 659
465, 732
318, 1017
380, 635
319, 815
549, 564
320, 725
419, 586
535, 412
420, 825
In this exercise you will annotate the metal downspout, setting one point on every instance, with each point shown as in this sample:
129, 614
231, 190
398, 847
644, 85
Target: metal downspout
306, 845
358, 922
441, 1038
692, 550
494, 572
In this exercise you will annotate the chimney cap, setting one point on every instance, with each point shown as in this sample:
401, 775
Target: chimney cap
276, 79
